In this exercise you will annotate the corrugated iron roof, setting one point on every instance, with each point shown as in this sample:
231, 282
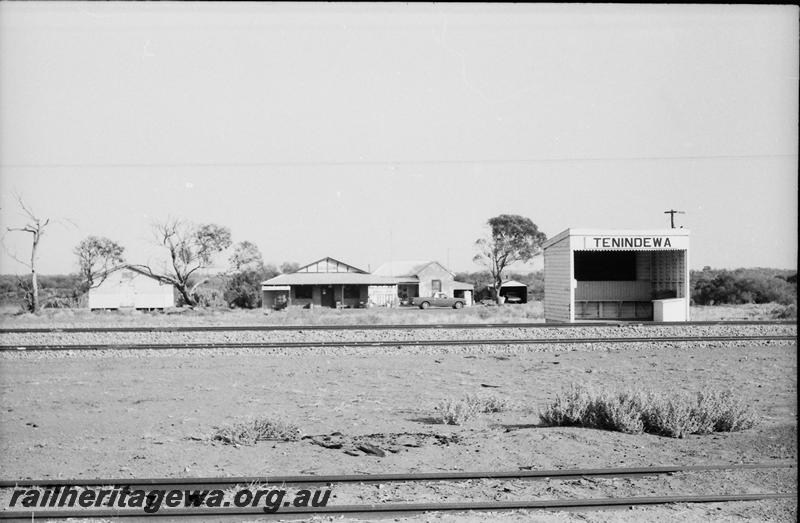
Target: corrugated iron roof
401, 268
330, 278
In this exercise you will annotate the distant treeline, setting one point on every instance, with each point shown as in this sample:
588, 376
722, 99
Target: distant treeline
758, 285
58, 290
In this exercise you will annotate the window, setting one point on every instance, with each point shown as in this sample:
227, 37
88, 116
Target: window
303, 292
436, 285
605, 266
351, 291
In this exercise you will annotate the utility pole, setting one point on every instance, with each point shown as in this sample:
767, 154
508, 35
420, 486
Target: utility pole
672, 213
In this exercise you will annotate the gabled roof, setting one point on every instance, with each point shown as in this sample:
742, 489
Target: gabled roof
329, 265
330, 278
512, 283
405, 269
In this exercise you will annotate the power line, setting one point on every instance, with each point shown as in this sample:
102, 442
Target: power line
382, 162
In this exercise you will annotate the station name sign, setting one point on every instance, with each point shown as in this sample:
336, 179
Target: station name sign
635, 242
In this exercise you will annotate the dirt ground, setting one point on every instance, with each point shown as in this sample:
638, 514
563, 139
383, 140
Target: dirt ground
134, 414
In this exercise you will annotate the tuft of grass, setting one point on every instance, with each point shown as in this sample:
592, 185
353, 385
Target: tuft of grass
456, 412
260, 429
676, 415
491, 404
461, 411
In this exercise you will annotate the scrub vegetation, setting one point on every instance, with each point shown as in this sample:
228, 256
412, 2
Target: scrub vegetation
463, 410
260, 429
674, 414
710, 286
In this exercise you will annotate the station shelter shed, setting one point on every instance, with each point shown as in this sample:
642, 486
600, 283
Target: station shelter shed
603, 274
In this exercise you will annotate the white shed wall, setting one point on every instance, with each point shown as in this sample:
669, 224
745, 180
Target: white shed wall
558, 289
127, 288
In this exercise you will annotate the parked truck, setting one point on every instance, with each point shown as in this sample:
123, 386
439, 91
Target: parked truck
439, 299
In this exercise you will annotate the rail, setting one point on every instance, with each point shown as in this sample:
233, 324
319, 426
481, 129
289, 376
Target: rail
402, 326
386, 343
389, 509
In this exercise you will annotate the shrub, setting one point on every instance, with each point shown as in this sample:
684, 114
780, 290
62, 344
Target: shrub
461, 411
490, 404
243, 289
251, 431
789, 312
634, 412
674, 417
619, 412
568, 409
728, 412
209, 297
457, 412
743, 286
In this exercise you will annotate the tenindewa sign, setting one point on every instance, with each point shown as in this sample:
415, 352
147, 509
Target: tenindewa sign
634, 242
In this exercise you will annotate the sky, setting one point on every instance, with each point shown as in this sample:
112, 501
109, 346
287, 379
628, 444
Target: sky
378, 132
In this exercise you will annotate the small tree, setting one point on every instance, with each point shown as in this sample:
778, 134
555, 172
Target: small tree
191, 249
289, 267
97, 258
243, 284
246, 257
35, 226
511, 239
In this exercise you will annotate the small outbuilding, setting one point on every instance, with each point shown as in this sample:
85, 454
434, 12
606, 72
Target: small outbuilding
514, 292
593, 274
130, 288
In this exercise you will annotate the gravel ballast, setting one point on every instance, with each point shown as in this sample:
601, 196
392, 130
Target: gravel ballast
388, 335
24, 340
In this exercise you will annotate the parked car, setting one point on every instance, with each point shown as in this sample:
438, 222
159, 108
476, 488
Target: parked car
439, 299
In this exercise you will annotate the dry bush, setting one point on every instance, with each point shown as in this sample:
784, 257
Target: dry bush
490, 404
619, 411
568, 409
259, 429
463, 410
674, 415
729, 412
457, 412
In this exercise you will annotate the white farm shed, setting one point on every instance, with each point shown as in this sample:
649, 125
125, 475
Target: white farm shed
593, 274
129, 288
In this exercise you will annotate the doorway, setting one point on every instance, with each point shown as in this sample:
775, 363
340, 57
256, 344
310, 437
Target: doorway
327, 299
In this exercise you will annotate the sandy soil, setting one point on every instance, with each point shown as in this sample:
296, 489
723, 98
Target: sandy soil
139, 414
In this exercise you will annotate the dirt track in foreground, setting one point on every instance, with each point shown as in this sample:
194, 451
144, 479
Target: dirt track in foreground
133, 416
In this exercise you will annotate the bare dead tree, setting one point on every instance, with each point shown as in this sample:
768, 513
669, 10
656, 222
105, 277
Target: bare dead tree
35, 226
191, 249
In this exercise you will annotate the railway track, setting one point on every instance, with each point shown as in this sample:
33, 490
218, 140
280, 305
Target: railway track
388, 343
234, 328
388, 509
